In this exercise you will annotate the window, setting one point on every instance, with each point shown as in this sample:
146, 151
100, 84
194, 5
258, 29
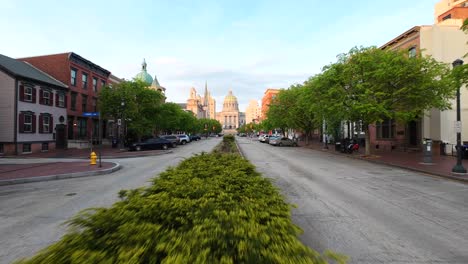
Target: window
103, 83
84, 78
386, 129
412, 52
84, 102
45, 146
26, 148
46, 97
28, 94
28, 123
73, 77
94, 84
447, 17
1, 148
95, 104
61, 100
73, 101
46, 124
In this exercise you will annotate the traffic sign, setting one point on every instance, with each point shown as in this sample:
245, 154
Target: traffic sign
90, 114
458, 126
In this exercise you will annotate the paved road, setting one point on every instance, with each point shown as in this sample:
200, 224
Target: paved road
370, 212
31, 214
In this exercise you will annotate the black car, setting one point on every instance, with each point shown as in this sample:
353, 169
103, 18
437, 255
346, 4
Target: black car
173, 139
195, 137
151, 143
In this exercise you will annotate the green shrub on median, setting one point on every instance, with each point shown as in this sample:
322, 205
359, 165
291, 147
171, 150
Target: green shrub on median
212, 208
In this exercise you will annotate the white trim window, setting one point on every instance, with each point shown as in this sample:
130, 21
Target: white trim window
46, 97
28, 94
27, 125
46, 123
61, 100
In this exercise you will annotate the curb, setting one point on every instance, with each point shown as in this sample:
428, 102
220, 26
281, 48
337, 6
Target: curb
451, 177
116, 167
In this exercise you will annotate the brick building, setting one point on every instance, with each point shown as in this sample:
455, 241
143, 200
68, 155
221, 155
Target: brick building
445, 42
85, 79
269, 95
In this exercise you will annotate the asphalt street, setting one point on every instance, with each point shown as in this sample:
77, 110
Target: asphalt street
32, 214
370, 212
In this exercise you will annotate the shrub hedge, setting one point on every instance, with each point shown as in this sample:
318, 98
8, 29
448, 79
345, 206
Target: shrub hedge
212, 208
228, 145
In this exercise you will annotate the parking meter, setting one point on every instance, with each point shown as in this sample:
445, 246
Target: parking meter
427, 142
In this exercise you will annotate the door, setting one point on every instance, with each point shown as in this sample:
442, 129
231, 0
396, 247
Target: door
413, 133
60, 136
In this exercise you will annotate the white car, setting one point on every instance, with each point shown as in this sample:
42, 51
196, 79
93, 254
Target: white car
184, 139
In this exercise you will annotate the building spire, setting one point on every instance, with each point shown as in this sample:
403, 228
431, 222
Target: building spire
206, 99
143, 65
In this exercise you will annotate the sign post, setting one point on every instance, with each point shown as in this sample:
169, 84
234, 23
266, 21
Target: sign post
94, 114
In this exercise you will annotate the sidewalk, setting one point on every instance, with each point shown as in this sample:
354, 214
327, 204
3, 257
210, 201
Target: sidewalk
441, 166
34, 172
107, 153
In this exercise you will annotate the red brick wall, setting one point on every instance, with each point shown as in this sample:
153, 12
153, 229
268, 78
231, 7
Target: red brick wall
456, 13
56, 65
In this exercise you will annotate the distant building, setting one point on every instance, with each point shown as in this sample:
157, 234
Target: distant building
253, 112
230, 116
33, 109
269, 95
145, 77
201, 107
85, 79
450, 12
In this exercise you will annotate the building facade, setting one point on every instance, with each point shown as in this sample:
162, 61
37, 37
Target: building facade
201, 107
268, 96
445, 42
253, 112
33, 114
84, 79
230, 116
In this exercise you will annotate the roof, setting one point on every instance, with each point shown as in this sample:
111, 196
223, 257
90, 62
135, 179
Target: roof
70, 55
23, 69
401, 37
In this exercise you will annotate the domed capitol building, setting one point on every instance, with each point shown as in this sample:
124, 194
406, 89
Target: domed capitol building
230, 118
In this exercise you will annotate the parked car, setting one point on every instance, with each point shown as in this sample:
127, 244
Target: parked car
267, 139
262, 138
282, 141
151, 143
195, 137
183, 139
173, 139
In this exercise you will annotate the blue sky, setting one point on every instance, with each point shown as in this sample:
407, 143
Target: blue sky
246, 46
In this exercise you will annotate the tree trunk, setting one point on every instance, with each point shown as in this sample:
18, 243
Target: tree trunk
368, 145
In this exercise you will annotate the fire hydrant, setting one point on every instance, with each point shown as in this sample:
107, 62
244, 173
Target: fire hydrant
93, 158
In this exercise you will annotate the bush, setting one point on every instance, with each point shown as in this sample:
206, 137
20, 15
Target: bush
212, 208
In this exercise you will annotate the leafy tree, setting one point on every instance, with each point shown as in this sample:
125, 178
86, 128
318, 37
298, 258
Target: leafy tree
277, 114
133, 101
207, 125
370, 85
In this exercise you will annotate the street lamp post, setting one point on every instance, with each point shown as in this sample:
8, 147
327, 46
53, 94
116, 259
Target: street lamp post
122, 127
458, 168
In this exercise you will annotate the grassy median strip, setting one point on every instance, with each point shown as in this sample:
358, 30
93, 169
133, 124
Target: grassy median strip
212, 208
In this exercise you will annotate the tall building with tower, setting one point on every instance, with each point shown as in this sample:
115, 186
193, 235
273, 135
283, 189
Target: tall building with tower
201, 107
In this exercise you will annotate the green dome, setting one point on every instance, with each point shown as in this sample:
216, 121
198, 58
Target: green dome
143, 75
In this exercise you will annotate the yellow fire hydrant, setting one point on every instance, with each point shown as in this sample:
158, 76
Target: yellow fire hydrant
93, 158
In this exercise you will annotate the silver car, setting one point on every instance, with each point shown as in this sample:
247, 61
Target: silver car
282, 141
